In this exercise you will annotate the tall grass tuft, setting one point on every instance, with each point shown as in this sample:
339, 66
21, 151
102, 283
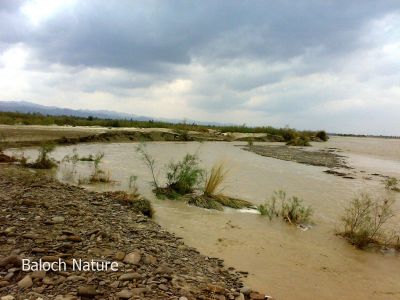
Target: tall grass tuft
214, 179
212, 197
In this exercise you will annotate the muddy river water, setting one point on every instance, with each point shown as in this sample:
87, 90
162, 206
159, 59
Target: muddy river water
282, 260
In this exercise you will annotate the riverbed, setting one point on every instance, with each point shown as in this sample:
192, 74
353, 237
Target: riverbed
282, 260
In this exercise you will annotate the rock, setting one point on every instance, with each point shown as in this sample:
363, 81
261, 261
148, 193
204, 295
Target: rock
39, 289
119, 255
10, 229
25, 282
65, 297
48, 281
133, 258
38, 274
13, 260
124, 294
9, 276
163, 287
8, 297
183, 298
87, 291
164, 270
74, 238
129, 276
50, 258
150, 259
4, 283
245, 290
58, 219
28, 202
115, 284
139, 291
213, 288
240, 297
256, 296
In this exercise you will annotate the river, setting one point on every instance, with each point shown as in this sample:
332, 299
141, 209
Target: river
282, 260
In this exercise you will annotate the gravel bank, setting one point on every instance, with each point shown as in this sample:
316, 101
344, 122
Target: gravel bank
44, 219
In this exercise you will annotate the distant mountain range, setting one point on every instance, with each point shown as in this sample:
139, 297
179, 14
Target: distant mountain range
29, 107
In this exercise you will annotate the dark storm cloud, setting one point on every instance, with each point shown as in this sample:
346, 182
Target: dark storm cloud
151, 35
248, 62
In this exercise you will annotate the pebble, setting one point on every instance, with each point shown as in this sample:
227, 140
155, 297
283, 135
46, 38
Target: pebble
124, 294
163, 287
38, 274
119, 255
87, 291
129, 276
245, 290
133, 257
25, 282
213, 288
256, 296
240, 297
58, 219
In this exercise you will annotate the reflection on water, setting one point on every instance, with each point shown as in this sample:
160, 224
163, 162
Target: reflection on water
282, 260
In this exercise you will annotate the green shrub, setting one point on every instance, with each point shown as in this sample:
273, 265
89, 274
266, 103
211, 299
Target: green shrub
268, 209
183, 135
98, 174
289, 134
299, 141
134, 200
43, 161
364, 220
149, 161
391, 184
322, 135
183, 176
292, 210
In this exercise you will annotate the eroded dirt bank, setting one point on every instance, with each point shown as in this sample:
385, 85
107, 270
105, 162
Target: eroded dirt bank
44, 219
34, 135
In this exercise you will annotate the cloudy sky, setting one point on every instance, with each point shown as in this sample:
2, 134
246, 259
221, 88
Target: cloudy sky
308, 64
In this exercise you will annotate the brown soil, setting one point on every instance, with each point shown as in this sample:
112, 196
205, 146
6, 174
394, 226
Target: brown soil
5, 158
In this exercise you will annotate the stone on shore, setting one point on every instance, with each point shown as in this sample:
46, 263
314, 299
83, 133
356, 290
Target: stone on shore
133, 257
25, 282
